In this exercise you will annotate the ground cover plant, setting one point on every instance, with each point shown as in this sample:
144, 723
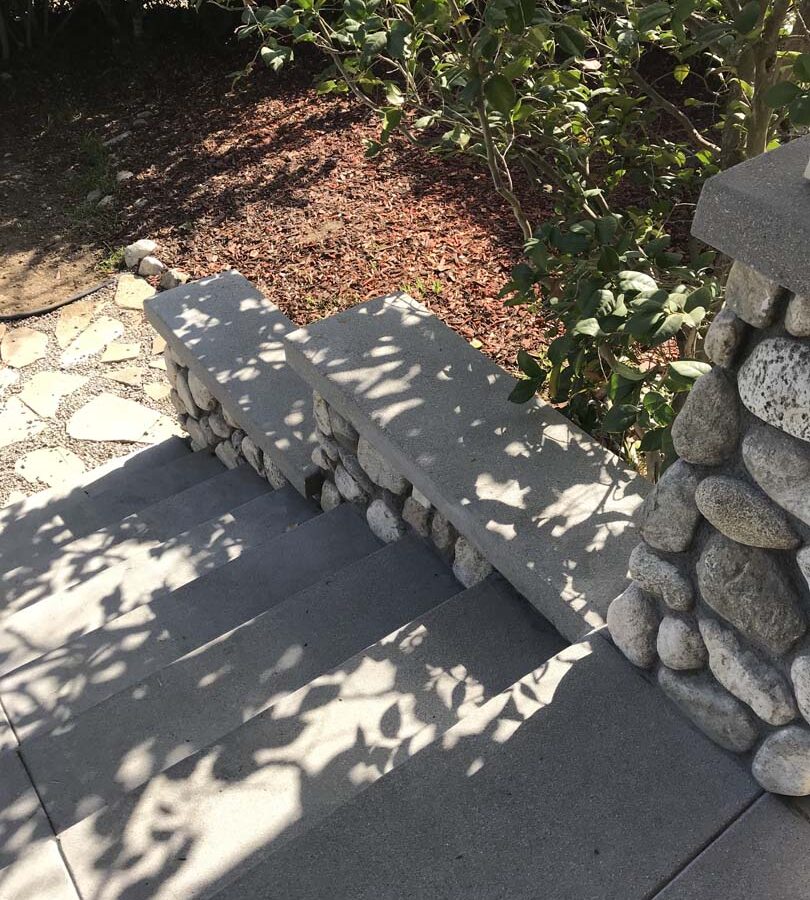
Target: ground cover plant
617, 112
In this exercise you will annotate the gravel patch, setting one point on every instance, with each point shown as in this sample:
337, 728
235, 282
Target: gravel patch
92, 453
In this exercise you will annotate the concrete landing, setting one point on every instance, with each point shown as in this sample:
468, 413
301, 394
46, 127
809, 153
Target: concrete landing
577, 782
230, 336
546, 504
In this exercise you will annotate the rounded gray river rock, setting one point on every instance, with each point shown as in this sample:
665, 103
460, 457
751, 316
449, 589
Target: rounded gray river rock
752, 296
747, 676
774, 384
715, 712
669, 516
782, 763
680, 645
744, 514
747, 587
706, 429
724, 337
661, 578
632, 619
780, 465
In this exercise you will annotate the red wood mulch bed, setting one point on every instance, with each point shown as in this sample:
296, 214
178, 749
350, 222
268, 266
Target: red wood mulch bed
271, 178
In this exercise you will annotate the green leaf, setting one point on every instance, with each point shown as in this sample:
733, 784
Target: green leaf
781, 94
658, 408
529, 365
653, 15
589, 327
571, 41
606, 228
275, 57
651, 440
636, 281
680, 72
801, 67
671, 325
375, 42
397, 39
682, 373
628, 372
559, 349
525, 389
500, 94
747, 18
702, 297
619, 418
393, 94
800, 110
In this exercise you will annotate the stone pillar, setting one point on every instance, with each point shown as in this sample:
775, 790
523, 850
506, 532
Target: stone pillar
719, 603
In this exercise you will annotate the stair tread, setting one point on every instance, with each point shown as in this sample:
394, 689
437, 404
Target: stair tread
289, 766
41, 517
171, 627
22, 819
230, 336
38, 874
561, 786
84, 556
49, 648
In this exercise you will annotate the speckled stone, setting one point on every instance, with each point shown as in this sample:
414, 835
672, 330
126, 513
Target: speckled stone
715, 712
669, 516
680, 645
202, 396
782, 763
417, 516
384, 521
632, 619
780, 465
661, 578
746, 675
320, 410
752, 296
744, 514
349, 489
725, 337
470, 566
748, 588
253, 454
706, 429
800, 676
379, 470
797, 317
774, 384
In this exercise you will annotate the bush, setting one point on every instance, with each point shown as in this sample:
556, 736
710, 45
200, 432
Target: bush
619, 110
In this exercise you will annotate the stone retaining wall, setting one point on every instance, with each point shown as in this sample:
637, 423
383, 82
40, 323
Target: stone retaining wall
719, 603
211, 428
355, 472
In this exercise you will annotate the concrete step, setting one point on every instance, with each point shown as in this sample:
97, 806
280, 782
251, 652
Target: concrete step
42, 519
76, 767
39, 873
82, 558
230, 336
54, 684
288, 767
546, 504
22, 820
575, 782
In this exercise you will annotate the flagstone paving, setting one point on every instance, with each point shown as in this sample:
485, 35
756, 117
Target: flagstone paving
92, 340
118, 350
17, 422
72, 321
45, 390
132, 291
22, 346
37, 400
108, 417
49, 466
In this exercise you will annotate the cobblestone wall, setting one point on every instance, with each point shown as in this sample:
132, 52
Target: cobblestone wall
355, 472
209, 426
720, 594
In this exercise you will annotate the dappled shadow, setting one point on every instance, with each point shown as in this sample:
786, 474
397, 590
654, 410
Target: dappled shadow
549, 507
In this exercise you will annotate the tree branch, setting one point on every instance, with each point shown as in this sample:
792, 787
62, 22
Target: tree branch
670, 108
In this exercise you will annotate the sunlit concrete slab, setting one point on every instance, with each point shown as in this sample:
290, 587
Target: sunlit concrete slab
38, 874
212, 490
314, 749
60, 514
546, 504
764, 854
70, 674
230, 336
578, 782
22, 820
87, 763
